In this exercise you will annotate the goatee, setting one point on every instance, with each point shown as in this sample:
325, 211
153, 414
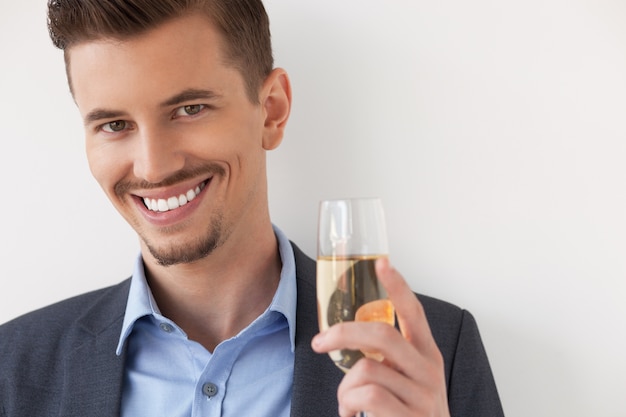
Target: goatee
190, 252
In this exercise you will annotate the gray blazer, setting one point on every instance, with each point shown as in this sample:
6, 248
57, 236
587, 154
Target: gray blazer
60, 360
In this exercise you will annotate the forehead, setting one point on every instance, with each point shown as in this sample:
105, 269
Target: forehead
180, 52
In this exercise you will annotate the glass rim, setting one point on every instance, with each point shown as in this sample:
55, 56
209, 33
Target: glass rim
331, 200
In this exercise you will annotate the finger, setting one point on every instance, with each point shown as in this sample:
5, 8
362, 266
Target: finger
373, 387
371, 399
409, 311
370, 372
399, 354
400, 357
364, 336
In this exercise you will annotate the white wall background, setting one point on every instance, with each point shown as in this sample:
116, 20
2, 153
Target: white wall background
494, 131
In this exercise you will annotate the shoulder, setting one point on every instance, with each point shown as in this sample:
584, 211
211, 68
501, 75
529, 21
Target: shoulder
58, 323
71, 308
446, 321
45, 351
443, 317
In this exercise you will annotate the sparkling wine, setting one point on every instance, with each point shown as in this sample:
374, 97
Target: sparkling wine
348, 290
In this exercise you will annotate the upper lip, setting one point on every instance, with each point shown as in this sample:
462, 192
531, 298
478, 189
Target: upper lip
172, 191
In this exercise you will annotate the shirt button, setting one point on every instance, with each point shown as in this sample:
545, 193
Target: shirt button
209, 389
166, 327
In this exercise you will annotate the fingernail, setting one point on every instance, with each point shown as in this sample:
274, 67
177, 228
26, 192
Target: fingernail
317, 340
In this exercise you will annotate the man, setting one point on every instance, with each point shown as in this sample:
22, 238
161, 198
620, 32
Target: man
180, 103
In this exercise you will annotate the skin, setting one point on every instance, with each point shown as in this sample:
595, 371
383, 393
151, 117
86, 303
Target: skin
163, 114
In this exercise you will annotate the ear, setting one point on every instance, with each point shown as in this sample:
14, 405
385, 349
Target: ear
276, 102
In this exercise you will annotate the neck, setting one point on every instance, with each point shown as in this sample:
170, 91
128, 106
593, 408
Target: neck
214, 298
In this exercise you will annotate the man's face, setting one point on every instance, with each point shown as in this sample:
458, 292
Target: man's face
172, 137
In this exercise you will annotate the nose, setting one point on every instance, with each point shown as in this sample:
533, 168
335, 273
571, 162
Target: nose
157, 156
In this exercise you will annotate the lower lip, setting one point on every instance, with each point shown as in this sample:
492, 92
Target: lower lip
171, 217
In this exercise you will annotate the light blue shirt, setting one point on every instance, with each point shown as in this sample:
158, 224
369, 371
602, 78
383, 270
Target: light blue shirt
251, 374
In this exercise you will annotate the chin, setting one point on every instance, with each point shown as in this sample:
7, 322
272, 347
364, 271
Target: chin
180, 256
185, 253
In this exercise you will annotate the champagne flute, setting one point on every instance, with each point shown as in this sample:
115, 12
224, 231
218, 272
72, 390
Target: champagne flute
351, 237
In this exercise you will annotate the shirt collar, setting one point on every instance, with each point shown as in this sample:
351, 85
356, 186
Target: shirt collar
285, 299
141, 302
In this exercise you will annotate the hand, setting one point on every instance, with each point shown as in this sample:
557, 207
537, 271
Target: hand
410, 381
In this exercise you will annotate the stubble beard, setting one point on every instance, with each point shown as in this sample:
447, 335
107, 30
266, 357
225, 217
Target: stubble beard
190, 252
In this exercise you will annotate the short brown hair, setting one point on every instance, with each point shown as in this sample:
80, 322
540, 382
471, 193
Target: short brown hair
243, 24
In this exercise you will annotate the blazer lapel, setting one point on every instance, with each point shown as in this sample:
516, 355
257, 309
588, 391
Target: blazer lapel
94, 385
315, 377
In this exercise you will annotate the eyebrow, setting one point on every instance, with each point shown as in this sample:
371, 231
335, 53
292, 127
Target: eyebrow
182, 97
101, 114
190, 95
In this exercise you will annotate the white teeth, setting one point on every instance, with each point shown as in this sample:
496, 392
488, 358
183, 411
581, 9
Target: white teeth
162, 205
191, 194
172, 202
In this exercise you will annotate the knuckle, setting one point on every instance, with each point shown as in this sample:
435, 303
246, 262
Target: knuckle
375, 394
366, 367
428, 401
384, 331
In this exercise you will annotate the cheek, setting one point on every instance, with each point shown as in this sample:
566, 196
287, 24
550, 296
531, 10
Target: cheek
232, 143
105, 163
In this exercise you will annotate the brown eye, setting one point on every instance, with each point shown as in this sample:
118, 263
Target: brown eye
192, 109
116, 126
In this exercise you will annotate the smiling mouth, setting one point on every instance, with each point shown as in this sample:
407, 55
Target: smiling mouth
174, 202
